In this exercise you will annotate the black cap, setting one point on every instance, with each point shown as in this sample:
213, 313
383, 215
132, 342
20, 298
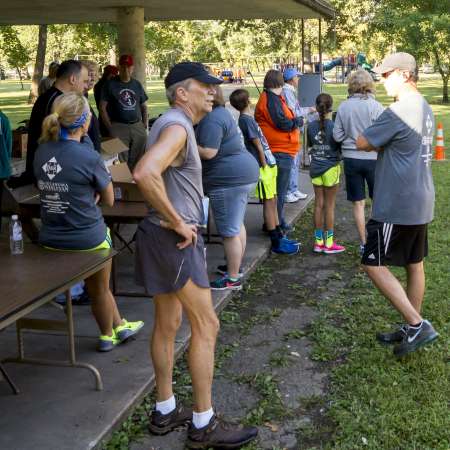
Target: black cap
188, 69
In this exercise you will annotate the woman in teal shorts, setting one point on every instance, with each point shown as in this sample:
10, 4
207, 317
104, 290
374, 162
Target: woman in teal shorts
72, 179
325, 171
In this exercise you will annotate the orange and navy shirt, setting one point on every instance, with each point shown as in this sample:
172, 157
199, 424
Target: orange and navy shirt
278, 123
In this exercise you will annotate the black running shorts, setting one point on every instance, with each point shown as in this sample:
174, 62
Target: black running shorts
394, 245
161, 267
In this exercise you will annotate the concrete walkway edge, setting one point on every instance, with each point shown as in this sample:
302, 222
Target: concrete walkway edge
220, 303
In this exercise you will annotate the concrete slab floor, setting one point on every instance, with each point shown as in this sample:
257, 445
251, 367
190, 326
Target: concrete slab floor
58, 408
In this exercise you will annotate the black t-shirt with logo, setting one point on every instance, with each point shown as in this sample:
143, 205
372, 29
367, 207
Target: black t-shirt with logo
124, 100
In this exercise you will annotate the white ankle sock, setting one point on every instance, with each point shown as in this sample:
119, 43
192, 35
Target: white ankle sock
166, 406
202, 419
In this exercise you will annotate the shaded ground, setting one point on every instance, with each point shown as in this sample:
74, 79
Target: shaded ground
297, 354
266, 373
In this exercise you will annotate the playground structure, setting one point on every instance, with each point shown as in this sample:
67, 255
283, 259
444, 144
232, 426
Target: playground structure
344, 65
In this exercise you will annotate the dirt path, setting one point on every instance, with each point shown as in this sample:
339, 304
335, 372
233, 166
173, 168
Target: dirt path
268, 371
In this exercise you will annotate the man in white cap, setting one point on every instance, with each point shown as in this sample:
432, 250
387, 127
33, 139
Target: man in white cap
403, 201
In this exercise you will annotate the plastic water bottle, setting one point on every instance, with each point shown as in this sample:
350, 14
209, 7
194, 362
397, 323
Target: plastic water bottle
15, 236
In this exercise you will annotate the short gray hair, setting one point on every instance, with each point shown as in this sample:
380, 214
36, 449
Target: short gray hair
171, 91
361, 82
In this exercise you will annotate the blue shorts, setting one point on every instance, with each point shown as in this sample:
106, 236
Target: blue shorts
358, 172
228, 206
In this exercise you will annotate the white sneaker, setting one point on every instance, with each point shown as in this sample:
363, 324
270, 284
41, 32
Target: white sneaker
291, 198
300, 195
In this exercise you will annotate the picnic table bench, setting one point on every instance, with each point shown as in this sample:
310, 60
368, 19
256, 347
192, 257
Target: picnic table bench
33, 279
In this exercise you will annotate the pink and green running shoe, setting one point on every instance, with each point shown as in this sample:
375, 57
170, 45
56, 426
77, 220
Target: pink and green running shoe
334, 248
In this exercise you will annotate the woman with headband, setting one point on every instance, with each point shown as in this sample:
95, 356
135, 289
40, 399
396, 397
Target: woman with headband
72, 179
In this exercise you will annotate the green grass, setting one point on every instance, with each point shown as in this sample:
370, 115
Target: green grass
13, 101
376, 401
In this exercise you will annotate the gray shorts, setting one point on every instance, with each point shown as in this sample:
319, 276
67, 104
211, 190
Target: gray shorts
161, 267
228, 206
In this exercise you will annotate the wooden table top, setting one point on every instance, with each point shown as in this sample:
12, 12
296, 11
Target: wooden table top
120, 210
28, 278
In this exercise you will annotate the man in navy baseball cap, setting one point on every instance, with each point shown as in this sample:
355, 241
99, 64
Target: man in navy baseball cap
171, 260
188, 69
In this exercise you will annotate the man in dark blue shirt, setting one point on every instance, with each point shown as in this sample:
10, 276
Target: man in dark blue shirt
123, 110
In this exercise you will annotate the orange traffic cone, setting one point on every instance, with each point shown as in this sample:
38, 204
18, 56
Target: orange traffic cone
439, 150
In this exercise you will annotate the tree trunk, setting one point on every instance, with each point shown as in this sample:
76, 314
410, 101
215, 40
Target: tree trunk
19, 72
444, 74
39, 64
445, 90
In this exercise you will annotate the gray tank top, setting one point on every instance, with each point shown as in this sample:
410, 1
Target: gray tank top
184, 183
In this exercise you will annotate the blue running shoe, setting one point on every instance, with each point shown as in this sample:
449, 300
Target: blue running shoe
291, 241
224, 283
285, 248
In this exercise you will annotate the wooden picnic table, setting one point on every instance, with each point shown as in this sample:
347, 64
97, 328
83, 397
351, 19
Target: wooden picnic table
120, 213
33, 279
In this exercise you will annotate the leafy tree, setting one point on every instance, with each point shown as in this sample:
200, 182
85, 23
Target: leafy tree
420, 27
16, 54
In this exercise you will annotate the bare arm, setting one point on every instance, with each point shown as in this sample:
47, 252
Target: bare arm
262, 159
104, 115
106, 197
207, 152
363, 144
148, 176
144, 113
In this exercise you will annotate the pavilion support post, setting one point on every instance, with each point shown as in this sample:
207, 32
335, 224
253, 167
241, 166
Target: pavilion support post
303, 45
320, 48
130, 25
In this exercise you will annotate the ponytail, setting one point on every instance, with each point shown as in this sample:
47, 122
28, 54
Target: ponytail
69, 113
324, 103
50, 128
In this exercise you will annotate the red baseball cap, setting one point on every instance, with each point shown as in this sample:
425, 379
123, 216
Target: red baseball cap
126, 60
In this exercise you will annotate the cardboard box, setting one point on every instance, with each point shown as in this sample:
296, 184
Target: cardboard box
20, 142
125, 189
112, 147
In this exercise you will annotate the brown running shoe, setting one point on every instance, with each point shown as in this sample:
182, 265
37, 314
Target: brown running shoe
220, 434
160, 424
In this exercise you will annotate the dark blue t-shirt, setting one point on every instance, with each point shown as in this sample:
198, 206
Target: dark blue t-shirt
68, 175
325, 152
124, 100
233, 165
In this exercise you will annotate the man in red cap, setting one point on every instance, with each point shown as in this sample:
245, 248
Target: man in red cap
123, 110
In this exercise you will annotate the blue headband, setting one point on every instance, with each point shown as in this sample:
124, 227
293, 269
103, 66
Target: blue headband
64, 130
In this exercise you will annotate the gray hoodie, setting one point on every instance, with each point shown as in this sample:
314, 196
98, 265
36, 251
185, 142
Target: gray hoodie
353, 116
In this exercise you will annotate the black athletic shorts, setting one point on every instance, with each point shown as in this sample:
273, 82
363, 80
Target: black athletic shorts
394, 245
358, 172
161, 267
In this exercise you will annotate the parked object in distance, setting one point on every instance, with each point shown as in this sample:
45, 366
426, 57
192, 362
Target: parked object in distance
428, 68
227, 76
